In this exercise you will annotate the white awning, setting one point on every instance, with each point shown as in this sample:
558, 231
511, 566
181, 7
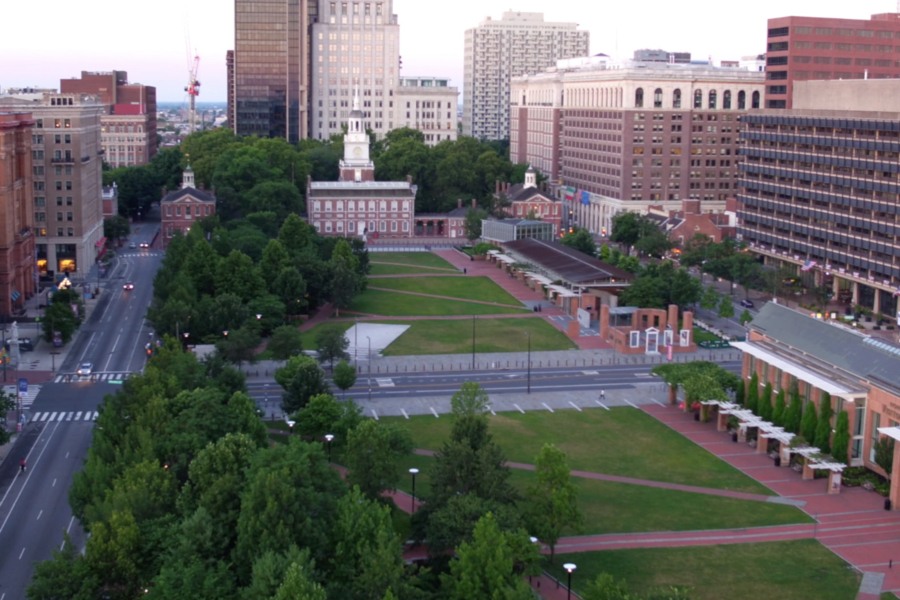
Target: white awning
539, 278
799, 372
564, 292
505, 259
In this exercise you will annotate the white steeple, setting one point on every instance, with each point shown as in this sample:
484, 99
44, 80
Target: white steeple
530, 178
187, 178
356, 143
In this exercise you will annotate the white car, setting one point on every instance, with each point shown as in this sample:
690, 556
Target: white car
85, 369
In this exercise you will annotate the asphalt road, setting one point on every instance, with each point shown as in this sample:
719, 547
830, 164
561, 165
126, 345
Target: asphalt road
34, 507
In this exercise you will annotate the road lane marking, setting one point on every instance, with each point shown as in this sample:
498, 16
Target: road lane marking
54, 482
519, 408
374, 414
631, 404
78, 416
601, 405
435, 413
39, 515
544, 404
22, 553
403, 411
658, 402
575, 406
27, 478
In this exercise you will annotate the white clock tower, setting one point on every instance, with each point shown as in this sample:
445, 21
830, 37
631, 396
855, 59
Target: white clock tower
356, 165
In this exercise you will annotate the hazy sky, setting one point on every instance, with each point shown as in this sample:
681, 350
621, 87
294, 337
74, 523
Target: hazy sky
156, 43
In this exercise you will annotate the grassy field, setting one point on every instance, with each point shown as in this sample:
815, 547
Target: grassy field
491, 335
394, 304
795, 570
622, 441
424, 261
481, 289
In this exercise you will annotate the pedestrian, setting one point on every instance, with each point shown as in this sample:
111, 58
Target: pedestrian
602, 394
464, 271
22, 464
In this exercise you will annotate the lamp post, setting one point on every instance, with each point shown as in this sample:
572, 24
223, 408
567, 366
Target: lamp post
186, 336
569, 567
473, 342
329, 437
413, 471
528, 334
369, 378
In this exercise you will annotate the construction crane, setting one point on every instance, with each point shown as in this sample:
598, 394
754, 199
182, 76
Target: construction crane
193, 90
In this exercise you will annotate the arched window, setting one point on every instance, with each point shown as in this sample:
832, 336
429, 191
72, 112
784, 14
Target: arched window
657, 98
698, 99
755, 101
742, 100
639, 98
712, 99
676, 98
726, 99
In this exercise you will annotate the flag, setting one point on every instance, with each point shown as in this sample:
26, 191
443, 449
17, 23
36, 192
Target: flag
570, 193
808, 265
585, 198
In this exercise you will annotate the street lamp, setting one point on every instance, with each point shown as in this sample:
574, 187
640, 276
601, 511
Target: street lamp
473, 342
329, 437
225, 333
528, 334
569, 567
186, 335
369, 378
413, 471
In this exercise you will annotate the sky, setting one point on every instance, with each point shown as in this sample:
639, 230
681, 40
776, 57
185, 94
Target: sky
157, 43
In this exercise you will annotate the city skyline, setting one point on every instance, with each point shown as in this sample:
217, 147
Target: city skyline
159, 49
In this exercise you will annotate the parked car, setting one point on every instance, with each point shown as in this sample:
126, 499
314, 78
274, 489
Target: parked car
714, 344
747, 303
132, 245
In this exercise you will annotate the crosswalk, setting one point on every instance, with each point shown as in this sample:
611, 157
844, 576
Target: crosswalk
108, 377
25, 400
63, 415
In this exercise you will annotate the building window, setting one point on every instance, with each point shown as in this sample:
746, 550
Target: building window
742, 100
755, 102
639, 98
657, 98
726, 99
698, 99
712, 99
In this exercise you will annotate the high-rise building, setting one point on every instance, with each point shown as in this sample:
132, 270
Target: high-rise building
819, 189
624, 137
66, 157
128, 127
271, 67
520, 43
17, 280
429, 105
804, 48
354, 45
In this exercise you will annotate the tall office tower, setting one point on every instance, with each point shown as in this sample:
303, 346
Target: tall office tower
624, 137
229, 77
820, 189
271, 68
803, 48
354, 44
520, 43
17, 280
128, 129
66, 179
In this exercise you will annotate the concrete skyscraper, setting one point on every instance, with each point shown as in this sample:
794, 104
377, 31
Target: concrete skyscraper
271, 67
521, 43
353, 45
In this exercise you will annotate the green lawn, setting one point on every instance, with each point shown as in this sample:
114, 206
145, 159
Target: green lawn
377, 302
308, 338
610, 507
491, 335
482, 289
795, 570
622, 441
425, 260
381, 269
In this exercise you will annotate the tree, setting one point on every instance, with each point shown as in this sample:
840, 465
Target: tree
332, 345
726, 307
884, 454
286, 341
61, 577
553, 499
752, 403
239, 345
346, 280
7, 404
116, 228
710, 298
809, 423
63, 315
778, 413
841, 446
739, 393
626, 229
793, 414
373, 455
474, 217
324, 414
580, 239
764, 409
368, 560
823, 425
299, 585
471, 399
301, 378
344, 376
485, 567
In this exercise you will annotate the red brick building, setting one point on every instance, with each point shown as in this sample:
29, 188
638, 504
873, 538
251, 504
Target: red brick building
803, 48
682, 225
182, 208
128, 129
528, 201
17, 277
